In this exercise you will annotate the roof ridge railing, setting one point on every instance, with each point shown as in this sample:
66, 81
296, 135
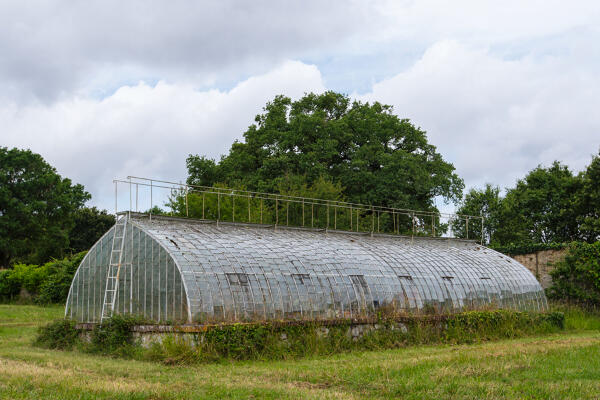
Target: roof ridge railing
267, 207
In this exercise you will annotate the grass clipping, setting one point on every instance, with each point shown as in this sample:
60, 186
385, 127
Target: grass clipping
277, 340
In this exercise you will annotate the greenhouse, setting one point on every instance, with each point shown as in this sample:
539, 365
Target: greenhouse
183, 270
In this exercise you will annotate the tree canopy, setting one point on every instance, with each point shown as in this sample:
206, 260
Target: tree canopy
549, 205
89, 224
542, 207
484, 202
374, 156
36, 207
589, 202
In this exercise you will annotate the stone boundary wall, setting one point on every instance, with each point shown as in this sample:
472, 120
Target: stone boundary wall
541, 263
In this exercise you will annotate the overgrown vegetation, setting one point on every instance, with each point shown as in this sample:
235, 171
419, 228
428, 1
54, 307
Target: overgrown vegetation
576, 278
60, 334
42, 284
275, 340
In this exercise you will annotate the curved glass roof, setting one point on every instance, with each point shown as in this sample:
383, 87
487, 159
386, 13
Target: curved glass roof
202, 271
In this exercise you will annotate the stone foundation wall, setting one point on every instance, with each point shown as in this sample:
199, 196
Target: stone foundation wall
193, 334
541, 263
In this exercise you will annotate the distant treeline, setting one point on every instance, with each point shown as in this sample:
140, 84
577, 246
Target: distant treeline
549, 205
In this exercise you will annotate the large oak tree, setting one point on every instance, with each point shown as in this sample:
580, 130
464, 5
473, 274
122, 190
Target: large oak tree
376, 157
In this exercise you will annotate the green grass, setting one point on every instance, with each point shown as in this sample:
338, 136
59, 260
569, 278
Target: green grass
556, 366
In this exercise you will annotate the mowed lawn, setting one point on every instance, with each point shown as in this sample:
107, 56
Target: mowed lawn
558, 366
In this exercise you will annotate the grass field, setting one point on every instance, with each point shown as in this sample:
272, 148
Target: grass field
559, 366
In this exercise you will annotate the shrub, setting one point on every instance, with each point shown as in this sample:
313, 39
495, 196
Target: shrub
48, 283
60, 334
9, 286
270, 341
115, 335
276, 340
576, 278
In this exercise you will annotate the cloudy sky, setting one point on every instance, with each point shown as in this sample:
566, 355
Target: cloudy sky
106, 89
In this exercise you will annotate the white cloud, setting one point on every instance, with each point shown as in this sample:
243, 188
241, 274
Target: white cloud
52, 49
496, 119
499, 86
143, 130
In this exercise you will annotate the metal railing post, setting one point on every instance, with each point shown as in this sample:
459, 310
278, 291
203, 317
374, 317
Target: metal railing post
372, 219
187, 211
151, 203
482, 218
335, 218
116, 196
130, 203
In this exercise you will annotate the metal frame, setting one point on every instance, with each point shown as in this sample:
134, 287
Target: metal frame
419, 225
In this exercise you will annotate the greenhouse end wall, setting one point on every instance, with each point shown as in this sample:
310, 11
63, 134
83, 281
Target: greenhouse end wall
195, 271
150, 284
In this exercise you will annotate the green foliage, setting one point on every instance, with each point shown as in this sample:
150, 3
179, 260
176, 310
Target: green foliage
9, 286
589, 202
60, 334
473, 326
281, 341
36, 208
374, 156
89, 225
576, 278
549, 205
223, 206
115, 335
112, 337
486, 203
578, 317
274, 340
514, 249
46, 284
542, 208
